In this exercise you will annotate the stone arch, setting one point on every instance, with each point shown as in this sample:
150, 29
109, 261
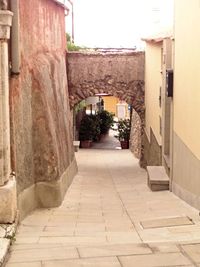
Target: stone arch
117, 74
132, 93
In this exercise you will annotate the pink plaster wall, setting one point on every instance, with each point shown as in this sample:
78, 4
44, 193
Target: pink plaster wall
40, 126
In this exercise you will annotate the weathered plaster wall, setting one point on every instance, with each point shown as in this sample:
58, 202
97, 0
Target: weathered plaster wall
40, 113
119, 74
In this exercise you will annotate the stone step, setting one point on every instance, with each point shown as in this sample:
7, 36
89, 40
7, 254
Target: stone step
76, 145
158, 179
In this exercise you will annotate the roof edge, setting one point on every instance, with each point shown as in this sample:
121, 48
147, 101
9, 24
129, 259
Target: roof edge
61, 5
158, 37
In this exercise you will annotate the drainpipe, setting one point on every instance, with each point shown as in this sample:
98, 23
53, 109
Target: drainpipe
72, 5
15, 44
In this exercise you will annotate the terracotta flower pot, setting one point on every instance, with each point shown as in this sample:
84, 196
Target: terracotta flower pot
124, 144
86, 144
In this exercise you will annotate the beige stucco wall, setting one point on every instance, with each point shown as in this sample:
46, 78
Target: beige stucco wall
153, 81
187, 70
110, 103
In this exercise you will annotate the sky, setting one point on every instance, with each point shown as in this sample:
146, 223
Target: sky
118, 23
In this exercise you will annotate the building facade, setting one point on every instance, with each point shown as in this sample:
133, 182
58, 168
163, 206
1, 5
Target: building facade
171, 123
186, 126
38, 135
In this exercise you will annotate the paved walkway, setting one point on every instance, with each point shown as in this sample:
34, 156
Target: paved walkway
110, 218
108, 142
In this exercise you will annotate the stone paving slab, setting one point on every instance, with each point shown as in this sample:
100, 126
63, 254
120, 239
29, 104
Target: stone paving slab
16, 247
74, 240
155, 260
93, 262
26, 264
114, 250
166, 222
98, 222
164, 247
29, 255
193, 251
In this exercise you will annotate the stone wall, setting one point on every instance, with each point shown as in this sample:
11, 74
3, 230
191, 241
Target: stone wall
135, 136
42, 152
118, 74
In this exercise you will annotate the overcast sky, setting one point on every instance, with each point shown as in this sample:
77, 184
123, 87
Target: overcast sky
118, 23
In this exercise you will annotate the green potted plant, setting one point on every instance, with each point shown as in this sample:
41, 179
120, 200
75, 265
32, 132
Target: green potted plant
89, 130
124, 129
96, 127
86, 131
106, 121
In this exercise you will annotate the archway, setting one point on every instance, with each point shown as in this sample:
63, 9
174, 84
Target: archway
117, 74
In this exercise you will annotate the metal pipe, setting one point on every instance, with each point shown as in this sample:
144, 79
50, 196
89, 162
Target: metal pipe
15, 42
72, 5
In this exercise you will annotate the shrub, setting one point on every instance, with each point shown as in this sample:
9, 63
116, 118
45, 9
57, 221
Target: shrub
86, 130
124, 129
106, 121
89, 128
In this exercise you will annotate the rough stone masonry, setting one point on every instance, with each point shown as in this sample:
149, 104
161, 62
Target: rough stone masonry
119, 74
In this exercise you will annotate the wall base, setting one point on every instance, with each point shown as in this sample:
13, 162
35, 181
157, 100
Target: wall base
186, 173
187, 196
152, 151
46, 194
8, 201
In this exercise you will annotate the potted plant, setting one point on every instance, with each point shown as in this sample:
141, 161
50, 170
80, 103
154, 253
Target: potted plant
86, 131
96, 127
106, 121
124, 129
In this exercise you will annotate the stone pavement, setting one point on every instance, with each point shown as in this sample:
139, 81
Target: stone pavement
110, 218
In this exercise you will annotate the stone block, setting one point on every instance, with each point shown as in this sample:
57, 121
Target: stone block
166, 222
27, 201
8, 201
76, 145
157, 178
51, 194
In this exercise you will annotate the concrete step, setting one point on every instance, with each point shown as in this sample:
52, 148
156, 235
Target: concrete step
76, 145
158, 179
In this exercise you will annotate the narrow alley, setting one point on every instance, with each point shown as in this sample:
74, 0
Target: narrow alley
109, 218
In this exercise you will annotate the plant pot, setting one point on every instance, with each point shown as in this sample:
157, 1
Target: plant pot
124, 144
103, 136
86, 144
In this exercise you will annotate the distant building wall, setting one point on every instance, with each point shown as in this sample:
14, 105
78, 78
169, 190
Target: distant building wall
110, 103
43, 156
